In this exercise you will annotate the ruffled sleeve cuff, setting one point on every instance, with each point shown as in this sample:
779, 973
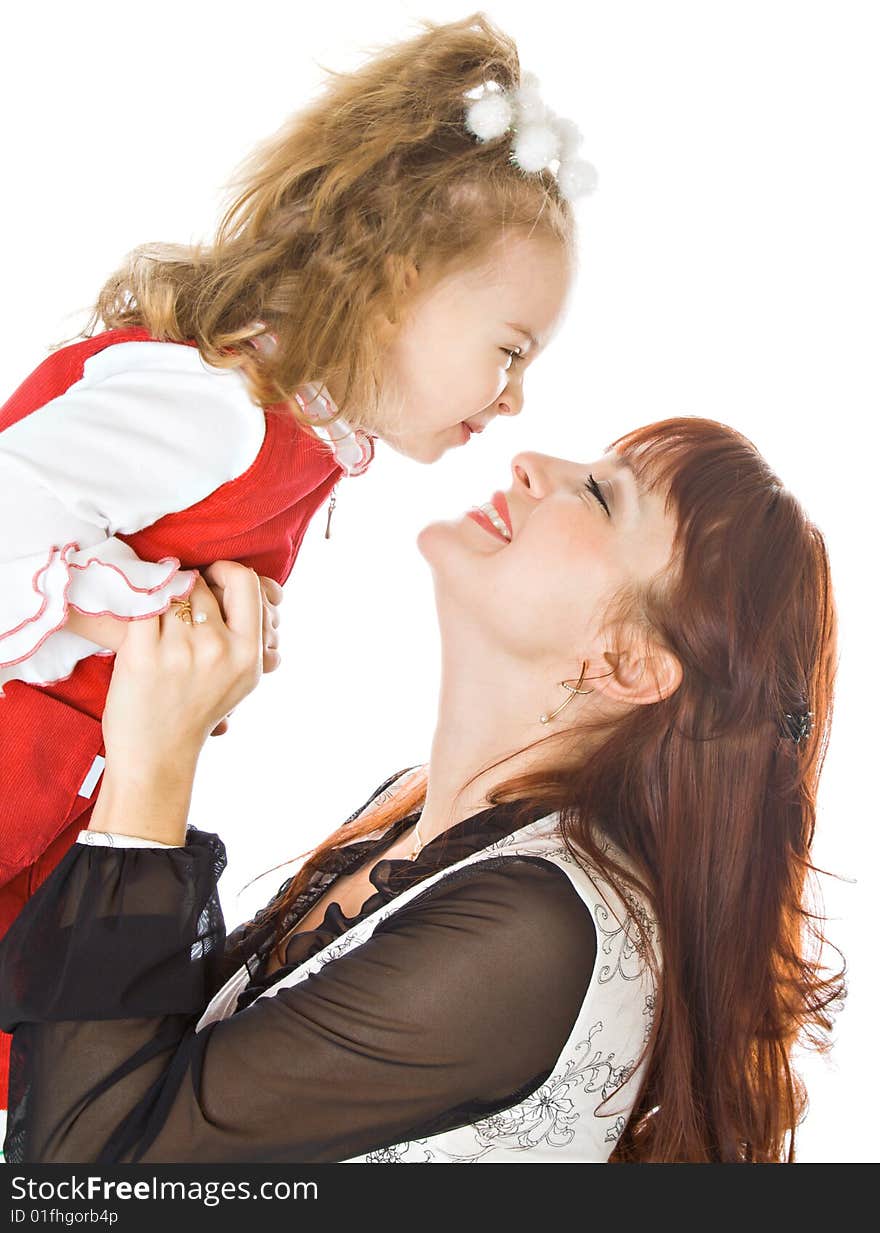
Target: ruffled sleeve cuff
117, 933
105, 579
111, 839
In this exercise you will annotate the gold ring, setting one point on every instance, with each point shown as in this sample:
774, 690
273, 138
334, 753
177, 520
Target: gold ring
182, 608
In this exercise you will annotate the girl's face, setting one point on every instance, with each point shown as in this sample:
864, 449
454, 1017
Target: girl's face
459, 356
539, 587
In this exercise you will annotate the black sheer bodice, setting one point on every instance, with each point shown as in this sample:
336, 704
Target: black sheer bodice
456, 1007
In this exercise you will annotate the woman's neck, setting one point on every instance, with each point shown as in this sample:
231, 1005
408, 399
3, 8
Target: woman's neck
489, 709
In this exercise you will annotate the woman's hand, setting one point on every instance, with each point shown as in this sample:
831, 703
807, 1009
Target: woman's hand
109, 631
272, 597
173, 682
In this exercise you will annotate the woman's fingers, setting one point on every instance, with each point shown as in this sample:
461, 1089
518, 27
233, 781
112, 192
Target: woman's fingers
174, 681
273, 592
241, 599
216, 578
272, 597
216, 591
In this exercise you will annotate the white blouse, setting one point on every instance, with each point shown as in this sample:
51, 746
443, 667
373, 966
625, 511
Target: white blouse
149, 429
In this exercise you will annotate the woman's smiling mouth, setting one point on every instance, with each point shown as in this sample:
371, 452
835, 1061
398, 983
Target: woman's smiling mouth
494, 517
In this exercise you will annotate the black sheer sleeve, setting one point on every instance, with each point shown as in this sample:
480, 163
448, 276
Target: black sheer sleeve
456, 1007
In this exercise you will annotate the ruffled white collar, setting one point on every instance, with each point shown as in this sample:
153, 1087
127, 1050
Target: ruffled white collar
352, 447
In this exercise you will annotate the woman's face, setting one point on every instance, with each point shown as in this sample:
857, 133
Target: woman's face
539, 587
459, 357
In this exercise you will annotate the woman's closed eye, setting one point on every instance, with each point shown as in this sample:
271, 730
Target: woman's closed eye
592, 486
512, 353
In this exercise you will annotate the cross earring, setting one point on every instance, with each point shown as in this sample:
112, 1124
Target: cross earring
573, 691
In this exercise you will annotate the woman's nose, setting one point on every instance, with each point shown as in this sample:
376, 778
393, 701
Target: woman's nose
531, 472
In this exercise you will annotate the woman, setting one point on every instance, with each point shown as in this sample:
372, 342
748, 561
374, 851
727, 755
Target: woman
582, 934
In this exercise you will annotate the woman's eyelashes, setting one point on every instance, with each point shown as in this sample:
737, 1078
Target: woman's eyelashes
591, 486
512, 353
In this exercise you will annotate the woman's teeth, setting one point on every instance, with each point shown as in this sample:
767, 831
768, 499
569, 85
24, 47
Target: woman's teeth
495, 518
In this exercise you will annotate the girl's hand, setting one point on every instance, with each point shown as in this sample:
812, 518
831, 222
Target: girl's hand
173, 683
272, 597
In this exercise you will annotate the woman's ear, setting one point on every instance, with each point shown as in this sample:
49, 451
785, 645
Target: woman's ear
640, 676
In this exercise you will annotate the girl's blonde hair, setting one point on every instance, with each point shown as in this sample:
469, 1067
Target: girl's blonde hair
378, 173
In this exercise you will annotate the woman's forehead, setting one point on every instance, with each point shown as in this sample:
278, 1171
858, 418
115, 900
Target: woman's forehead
615, 461
633, 462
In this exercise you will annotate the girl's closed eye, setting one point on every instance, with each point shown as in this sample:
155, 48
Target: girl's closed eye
592, 486
513, 353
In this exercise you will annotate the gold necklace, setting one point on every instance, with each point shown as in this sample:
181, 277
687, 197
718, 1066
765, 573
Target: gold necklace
418, 844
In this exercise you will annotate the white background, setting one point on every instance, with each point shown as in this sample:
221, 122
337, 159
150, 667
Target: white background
729, 269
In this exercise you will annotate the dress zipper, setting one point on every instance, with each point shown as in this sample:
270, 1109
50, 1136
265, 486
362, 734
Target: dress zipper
330, 509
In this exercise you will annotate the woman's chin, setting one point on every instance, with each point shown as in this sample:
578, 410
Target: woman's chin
440, 543
429, 540
454, 540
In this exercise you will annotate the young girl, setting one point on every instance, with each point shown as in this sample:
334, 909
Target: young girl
397, 255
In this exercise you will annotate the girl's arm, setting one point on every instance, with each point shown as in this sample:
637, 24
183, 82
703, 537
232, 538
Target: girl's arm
146, 431
104, 631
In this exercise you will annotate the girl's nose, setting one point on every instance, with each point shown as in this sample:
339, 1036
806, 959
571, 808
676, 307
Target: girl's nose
511, 400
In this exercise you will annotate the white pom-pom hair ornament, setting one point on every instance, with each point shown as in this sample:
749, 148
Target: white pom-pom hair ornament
535, 146
490, 116
540, 137
577, 178
570, 136
530, 107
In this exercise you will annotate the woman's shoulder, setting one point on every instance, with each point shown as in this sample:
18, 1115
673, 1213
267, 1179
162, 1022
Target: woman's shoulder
523, 895
531, 883
601, 871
